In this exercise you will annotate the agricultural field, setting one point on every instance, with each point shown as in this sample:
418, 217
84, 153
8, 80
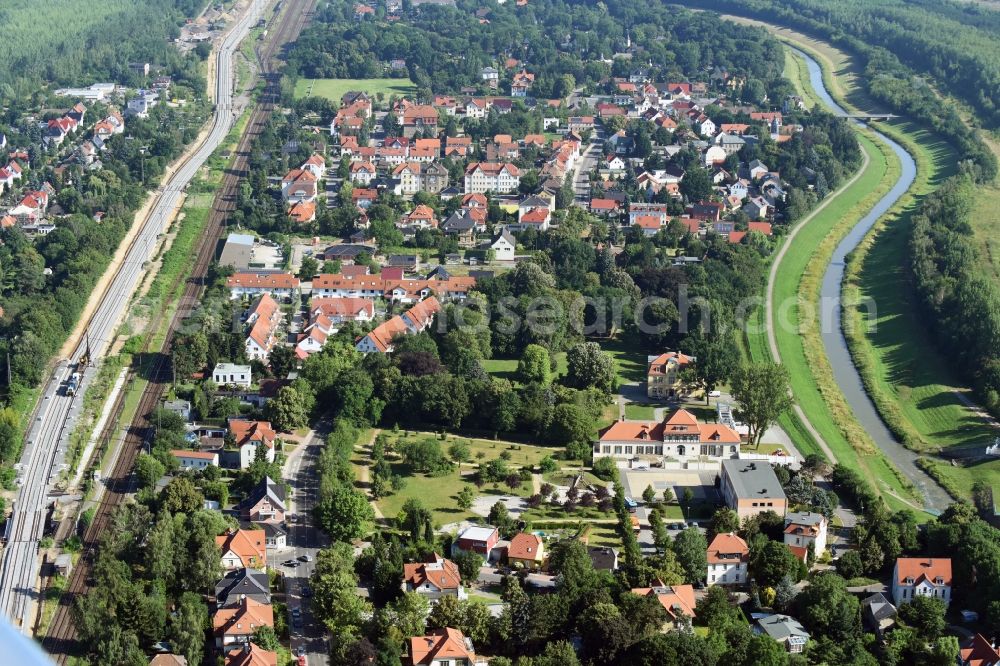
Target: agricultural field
334, 89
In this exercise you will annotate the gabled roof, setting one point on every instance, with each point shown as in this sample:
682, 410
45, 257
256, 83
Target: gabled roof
441, 644
266, 488
676, 599
725, 548
254, 655
242, 582
525, 546
245, 430
168, 660
658, 365
783, 628
247, 545
977, 651
920, 569
439, 572
242, 620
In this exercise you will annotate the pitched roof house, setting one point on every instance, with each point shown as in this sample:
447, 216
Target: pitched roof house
677, 600
248, 435
977, 651
728, 556
242, 549
440, 647
251, 654
237, 624
679, 436
434, 579
242, 583
526, 549
265, 503
921, 577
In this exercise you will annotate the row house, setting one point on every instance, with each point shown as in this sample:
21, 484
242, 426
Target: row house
263, 319
501, 178
413, 321
326, 315
278, 285
398, 290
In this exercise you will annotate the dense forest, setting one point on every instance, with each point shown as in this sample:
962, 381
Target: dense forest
77, 42
565, 44
964, 304
897, 41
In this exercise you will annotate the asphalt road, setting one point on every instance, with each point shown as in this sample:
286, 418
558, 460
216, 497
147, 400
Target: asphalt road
45, 445
304, 540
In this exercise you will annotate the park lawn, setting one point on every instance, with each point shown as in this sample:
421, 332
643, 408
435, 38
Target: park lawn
334, 89
630, 363
506, 368
484, 450
439, 494
638, 412
604, 535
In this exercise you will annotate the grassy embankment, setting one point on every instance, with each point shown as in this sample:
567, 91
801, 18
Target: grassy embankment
905, 373
334, 89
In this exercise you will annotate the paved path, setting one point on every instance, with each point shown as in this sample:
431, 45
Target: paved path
366, 450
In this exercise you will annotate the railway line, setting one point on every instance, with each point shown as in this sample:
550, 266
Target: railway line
60, 640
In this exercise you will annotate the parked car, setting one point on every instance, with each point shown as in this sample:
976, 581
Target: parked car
305, 558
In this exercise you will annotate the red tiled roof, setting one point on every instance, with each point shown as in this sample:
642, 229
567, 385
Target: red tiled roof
440, 644
440, 572
244, 619
248, 545
676, 599
727, 544
920, 568
525, 546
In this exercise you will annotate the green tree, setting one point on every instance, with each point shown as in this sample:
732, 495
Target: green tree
468, 564
548, 464
535, 366
587, 366
188, 625
762, 391
849, 565
649, 495
691, 550
926, 615
460, 452
605, 468
724, 521
265, 637
148, 470
285, 410
181, 496
343, 513
826, 607
465, 497
770, 561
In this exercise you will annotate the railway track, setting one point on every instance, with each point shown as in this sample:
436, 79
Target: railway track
60, 641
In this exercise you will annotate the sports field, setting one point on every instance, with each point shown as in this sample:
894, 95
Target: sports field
334, 89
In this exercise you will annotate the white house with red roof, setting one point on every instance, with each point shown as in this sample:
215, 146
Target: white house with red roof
416, 319
921, 577
298, 185
434, 579
278, 285
316, 165
263, 320
805, 528
443, 647
679, 436
498, 177
728, 557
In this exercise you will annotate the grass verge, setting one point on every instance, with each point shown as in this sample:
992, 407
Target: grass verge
334, 89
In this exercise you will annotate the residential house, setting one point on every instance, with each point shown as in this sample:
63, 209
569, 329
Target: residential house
503, 245
362, 172
242, 583
757, 208
342, 310
421, 217
477, 539
237, 624
604, 207
251, 654
316, 165
433, 580
230, 374
521, 84
526, 551
464, 225
878, 613
274, 535
656, 211
195, 460
278, 285
419, 118
416, 319
678, 436
168, 659
501, 178
604, 558
442, 647
803, 528
728, 557
663, 374
978, 651
677, 600
750, 488
248, 436
921, 577
298, 185
263, 319
265, 503
242, 549
784, 629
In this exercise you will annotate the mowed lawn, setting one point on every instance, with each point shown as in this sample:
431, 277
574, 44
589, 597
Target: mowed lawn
506, 368
440, 493
334, 89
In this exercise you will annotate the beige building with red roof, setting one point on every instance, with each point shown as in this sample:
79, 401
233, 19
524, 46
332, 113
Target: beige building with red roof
679, 436
921, 577
442, 647
278, 285
433, 580
242, 549
663, 372
498, 177
677, 600
248, 435
728, 557
263, 320
416, 319
527, 550
238, 623
805, 528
